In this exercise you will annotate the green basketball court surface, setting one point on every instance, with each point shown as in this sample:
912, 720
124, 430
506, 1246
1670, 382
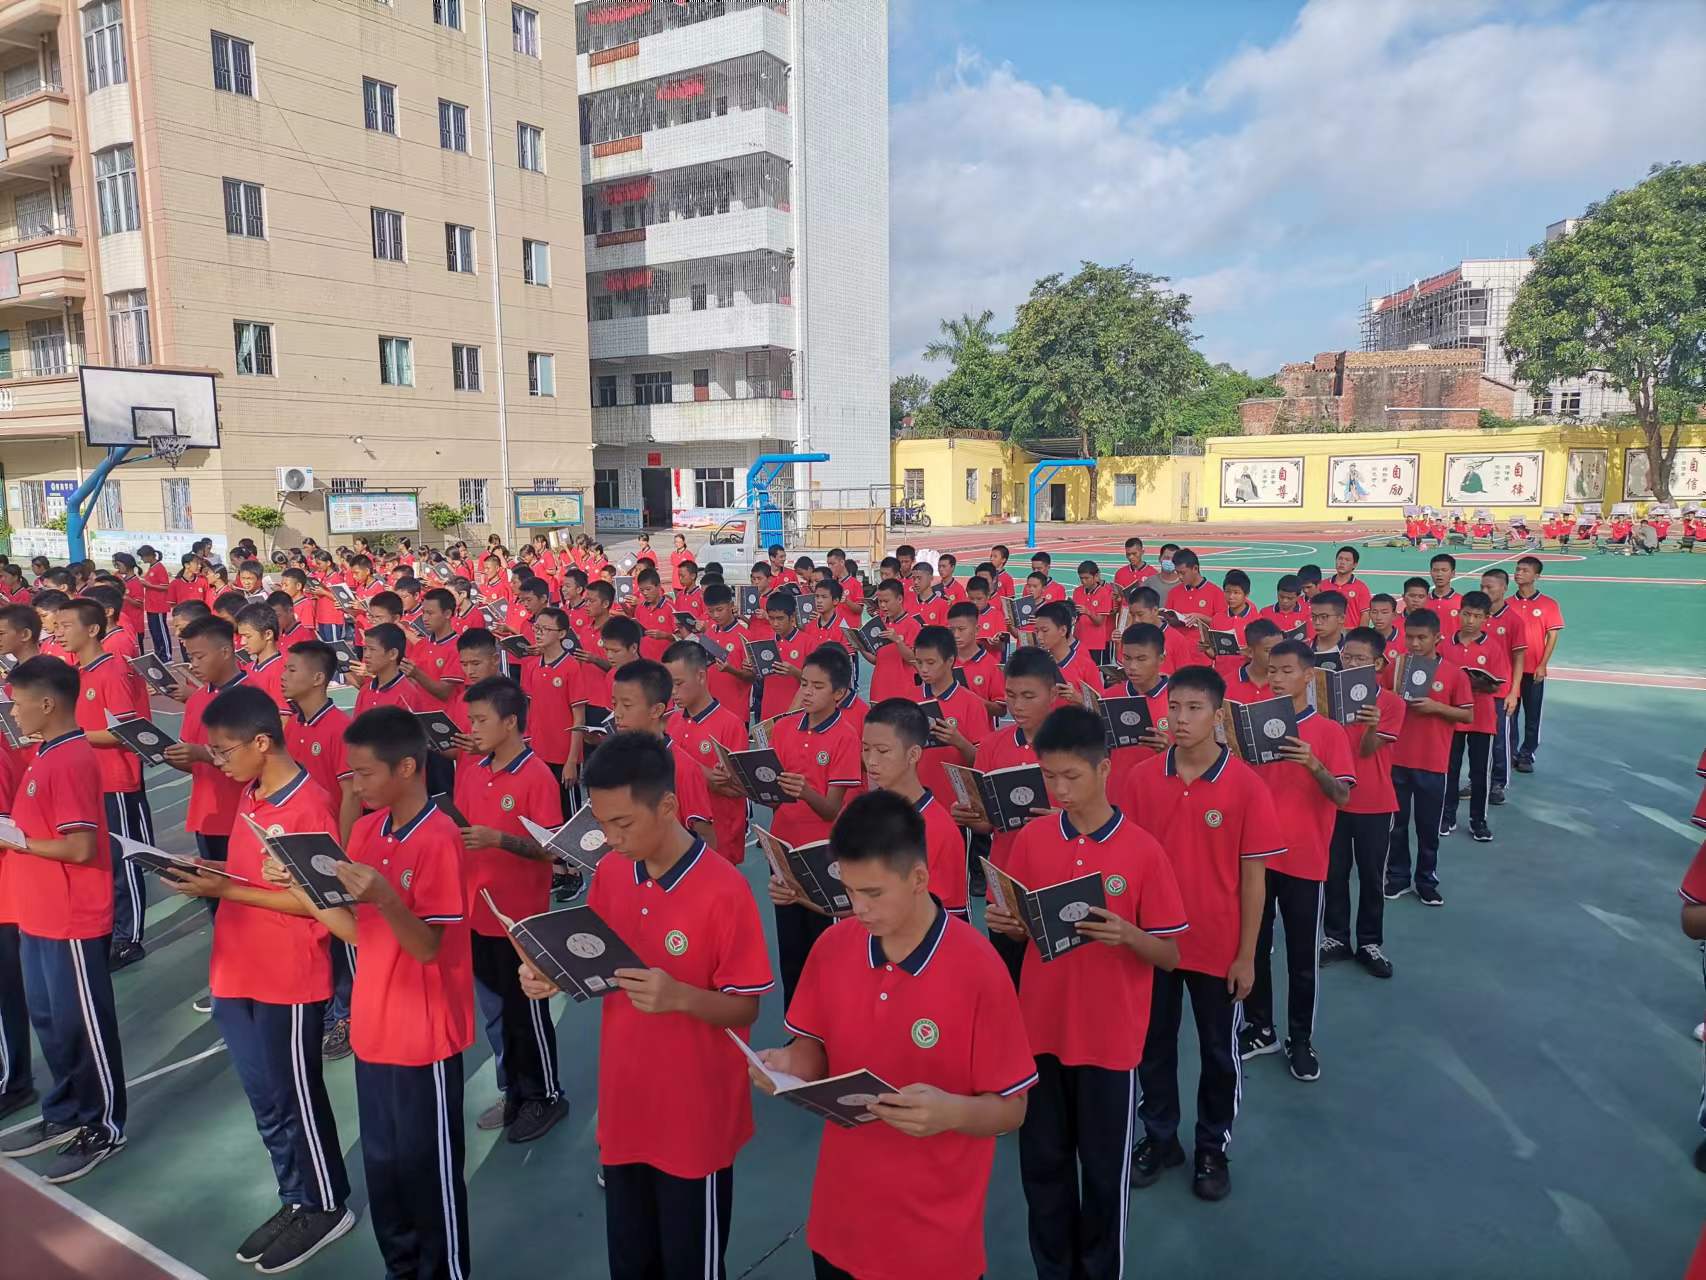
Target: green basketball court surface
1519, 1100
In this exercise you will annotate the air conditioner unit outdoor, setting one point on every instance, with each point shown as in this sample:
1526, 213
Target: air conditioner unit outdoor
296, 479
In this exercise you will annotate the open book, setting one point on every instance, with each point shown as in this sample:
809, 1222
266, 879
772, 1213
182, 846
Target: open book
1223, 644
1413, 677
1020, 610
843, 1100
147, 739
579, 843
757, 770
811, 869
573, 947
868, 638
1260, 729
155, 673
1125, 718
748, 601
439, 728
313, 858
1005, 797
763, 654
1341, 693
1050, 914
1483, 681
146, 855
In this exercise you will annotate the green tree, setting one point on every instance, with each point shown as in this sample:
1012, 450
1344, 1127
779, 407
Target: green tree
1624, 296
958, 336
1101, 357
261, 517
973, 397
907, 395
1211, 407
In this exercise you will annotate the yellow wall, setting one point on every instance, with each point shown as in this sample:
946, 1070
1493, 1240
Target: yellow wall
945, 462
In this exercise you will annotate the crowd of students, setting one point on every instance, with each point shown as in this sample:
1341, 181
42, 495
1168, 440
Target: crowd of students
574, 681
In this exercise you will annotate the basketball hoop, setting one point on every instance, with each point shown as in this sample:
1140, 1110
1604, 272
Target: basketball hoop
169, 448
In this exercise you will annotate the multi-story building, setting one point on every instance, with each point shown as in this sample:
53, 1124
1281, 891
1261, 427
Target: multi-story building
734, 159
1466, 307
362, 215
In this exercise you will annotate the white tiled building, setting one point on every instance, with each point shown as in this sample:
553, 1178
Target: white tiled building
734, 161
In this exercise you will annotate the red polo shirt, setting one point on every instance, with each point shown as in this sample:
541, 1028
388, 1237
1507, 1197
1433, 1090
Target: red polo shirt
1356, 594
1090, 1008
1484, 653
992, 628
156, 582
695, 735
109, 684
1208, 827
1226, 620
1003, 584
398, 691
886, 1206
440, 660
780, 690
945, 851
1052, 591
891, 675
120, 641
497, 798
827, 754
1447, 607
1309, 815
1240, 688
1541, 616
1002, 749
1099, 601
552, 689
402, 1012
726, 687
182, 589
318, 746
268, 676
1205, 598
1509, 630
1126, 577
264, 955
1078, 667
966, 711
59, 793
213, 796
672, 1092
1122, 760
1287, 619
983, 675
1373, 792
1425, 741
655, 617
1693, 887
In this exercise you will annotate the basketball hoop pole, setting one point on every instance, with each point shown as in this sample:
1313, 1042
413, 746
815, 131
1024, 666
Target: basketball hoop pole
81, 504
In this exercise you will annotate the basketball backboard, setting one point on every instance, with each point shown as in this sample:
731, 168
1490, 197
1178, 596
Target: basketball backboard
139, 406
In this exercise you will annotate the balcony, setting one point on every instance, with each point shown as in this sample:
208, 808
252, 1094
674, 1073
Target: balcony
692, 422
48, 406
740, 133
43, 267
718, 329
35, 134
22, 21
754, 30
685, 239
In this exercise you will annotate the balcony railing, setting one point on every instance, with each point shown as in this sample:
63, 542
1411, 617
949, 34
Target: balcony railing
29, 90
607, 24
31, 362
59, 228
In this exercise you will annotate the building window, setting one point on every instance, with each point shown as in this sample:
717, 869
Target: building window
471, 494
524, 23
103, 43
115, 189
606, 488
50, 354
32, 504
388, 235
233, 65
243, 211
654, 388
465, 366
254, 348
1125, 489
452, 126
541, 374
971, 484
347, 484
447, 13
459, 247
714, 486
546, 484
5, 353
396, 362
530, 147
127, 322
1570, 403
603, 307
915, 484
536, 262
1542, 406
109, 514
175, 501
696, 296
995, 492
604, 391
701, 384
379, 105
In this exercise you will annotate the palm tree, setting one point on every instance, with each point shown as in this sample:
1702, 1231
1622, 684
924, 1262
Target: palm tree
959, 335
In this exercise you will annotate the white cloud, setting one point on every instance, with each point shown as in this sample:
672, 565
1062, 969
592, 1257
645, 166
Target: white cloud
1366, 111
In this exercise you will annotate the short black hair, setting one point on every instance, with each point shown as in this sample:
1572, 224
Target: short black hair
89, 613
937, 640
1031, 663
191, 609
259, 616
1383, 597
1448, 558
603, 590
1423, 583
1073, 731
891, 587
1237, 578
965, 608
639, 761
1044, 556
1089, 566
1476, 600
879, 826
1144, 597
689, 651
231, 602
536, 586
652, 677
1184, 558
1368, 636
1308, 573
1260, 629
318, 655
1356, 556
387, 636
210, 626
832, 586
246, 711
389, 601
718, 593
1203, 680
1145, 635
1295, 649
45, 673
623, 630
832, 660
390, 733
280, 600
476, 638
442, 598
24, 618
1496, 572
1422, 620
1533, 562
503, 696
781, 602
1289, 583
905, 717
1058, 612
1334, 600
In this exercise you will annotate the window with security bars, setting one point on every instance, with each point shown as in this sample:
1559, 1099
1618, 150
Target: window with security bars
604, 391
447, 13
233, 65
524, 24
109, 513
545, 484
536, 262
379, 105
32, 504
175, 501
530, 147
606, 488
471, 495
347, 484
915, 484
127, 322
388, 235
396, 362
452, 126
459, 248
103, 43
714, 486
465, 366
254, 349
541, 374
115, 189
244, 215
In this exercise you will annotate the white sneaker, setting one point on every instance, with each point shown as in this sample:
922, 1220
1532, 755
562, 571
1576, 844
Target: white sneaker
1700, 1031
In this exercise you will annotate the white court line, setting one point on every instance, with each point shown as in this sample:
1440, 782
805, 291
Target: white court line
144, 1078
99, 1221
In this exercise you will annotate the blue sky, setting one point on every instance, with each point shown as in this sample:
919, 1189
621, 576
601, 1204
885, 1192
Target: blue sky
1279, 161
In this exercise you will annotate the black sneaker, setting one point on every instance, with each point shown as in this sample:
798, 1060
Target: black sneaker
257, 1240
15, 1101
335, 1043
493, 1117
566, 885
43, 1135
1429, 895
1254, 1041
1300, 1057
306, 1232
203, 1003
1447, 826
1150, 1158
1463, 793
1496, 796
123, 955
1523, 764
81, 1155
1700, 1157
535, 1117
1211, 1179
1395, 891
1333, 951
1372, 958
1480, 832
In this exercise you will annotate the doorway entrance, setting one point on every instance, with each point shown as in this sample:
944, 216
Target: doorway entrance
656, 508
1057, 502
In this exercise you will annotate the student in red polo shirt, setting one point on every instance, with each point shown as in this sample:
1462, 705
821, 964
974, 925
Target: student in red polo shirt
1216, 820
892, 673
673, 1106
1328, 622
654, 613
904, 1195
1082, 1009
555, 685
1042, 562
1184, 643
977, 664
1419, 760
314, 727
1095, 602
1134, 572
1194, 595
1346, 583
431, 662
1309, 786
60, 883
1545, 622
892, 743
962, 719
210, 645
1289, 611
497, 783
412, 1009
730, 677
1442, 596
1509, 630
19, 628
270, 973
156, 602
1381, 618
1001, 584
641, 693
1073, 657
379, 674
781, 688
1141, 649
929, 603
1364, 824
1475, 650
257, 632
700, 723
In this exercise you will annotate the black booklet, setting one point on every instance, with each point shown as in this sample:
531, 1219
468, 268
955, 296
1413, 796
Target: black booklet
1340, 693
1259, 729
805, 606
144, 737
1298, 632
810, 868
345, 653
445, 804
844, 1100
868, 638
579, 843
573, 947
1327, 659
516, 647
1111, 671
598, 724
1020, 610
313, 858
1051, 914
343, 595
1413, 677
439, 728
1482, 681
713, 650
763, 654
1125, 718
748, 600
624, 589
1004, 796
1223, 644
154, 673
685, 621
756, 770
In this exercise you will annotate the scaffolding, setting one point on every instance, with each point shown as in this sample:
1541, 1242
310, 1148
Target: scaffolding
1463, 308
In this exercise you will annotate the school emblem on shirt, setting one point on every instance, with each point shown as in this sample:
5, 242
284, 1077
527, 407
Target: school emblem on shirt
1214, 817
315, 749
1439, 686
507, 803
1537, 613
408, 877
89, 693
1481, 659
277, 829
704, 746
925, 1034
31, 789
556, 682
823, 757
675, 942
1115, 885
977, 679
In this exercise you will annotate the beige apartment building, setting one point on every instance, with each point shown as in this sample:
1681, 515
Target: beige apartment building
363, 216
